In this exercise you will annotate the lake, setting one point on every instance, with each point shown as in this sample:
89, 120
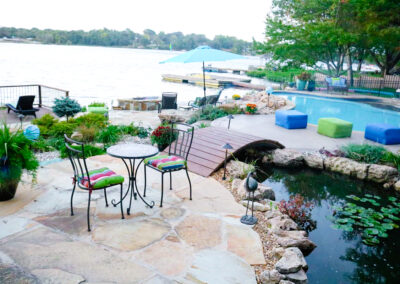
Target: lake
103, 73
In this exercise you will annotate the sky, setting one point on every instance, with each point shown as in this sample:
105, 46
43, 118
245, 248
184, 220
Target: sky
242, 19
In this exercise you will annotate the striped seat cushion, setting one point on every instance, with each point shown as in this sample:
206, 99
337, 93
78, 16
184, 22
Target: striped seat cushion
165, 162
101, 178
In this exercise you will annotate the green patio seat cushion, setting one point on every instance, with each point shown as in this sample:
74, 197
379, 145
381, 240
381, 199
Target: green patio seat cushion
99, 110
100, 178
334, 127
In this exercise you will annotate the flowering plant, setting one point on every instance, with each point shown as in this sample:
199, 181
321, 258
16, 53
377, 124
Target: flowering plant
236, 97
162, 136
299, 210
251, 108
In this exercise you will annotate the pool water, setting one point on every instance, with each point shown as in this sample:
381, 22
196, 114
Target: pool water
360, 114
340, 257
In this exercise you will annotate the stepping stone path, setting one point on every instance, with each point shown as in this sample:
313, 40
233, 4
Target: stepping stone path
198, 241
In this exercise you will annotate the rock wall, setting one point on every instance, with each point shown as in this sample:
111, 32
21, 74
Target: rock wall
293, 159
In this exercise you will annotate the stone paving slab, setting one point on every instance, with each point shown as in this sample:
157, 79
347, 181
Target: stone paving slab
198, 241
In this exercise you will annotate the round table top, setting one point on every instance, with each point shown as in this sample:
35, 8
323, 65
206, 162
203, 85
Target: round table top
132, 151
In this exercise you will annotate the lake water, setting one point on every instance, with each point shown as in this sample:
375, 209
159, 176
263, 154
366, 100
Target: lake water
103, 73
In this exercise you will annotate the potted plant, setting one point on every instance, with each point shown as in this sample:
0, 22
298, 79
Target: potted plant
236, 97
162, 136
302, 80
15, 156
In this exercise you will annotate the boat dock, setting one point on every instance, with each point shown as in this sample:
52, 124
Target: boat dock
211, 81
225, 70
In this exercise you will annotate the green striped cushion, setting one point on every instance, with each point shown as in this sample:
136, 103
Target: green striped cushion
101, 178
165, 162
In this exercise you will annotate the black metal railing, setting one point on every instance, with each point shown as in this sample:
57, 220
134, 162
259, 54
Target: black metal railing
44, 95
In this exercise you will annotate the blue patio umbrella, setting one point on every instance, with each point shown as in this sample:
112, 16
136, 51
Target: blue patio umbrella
202, 54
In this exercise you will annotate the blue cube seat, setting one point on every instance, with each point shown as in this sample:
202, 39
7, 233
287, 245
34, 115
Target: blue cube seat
383, 133
291, 119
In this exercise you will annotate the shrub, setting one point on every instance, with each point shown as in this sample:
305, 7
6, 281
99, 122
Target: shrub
41, 145
391, 158
84, 109
143, 132
97, 104
92, 120
88, 133
61, 128
364, 153
208, 113
56, 142
299, 210
304, 76
90, 151
109, 135
45, 123
66, 107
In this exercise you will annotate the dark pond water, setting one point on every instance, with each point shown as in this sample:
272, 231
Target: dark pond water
340, 257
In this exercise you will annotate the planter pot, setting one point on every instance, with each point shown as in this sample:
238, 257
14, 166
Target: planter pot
311, 86
8, 189
301, 85
161, 147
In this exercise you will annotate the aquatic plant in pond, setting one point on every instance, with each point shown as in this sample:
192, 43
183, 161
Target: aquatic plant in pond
299, 210
372, 222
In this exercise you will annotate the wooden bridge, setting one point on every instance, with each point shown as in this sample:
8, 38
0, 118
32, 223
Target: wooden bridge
207, 155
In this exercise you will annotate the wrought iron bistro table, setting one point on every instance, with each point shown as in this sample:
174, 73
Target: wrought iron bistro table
129, 153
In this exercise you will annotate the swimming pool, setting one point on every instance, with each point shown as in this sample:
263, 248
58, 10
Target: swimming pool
360, 114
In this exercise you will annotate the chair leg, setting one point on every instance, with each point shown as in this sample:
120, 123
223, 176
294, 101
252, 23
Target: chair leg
170, 180
190, 183
72, 197
105, 196
162, 189
145, 181
88, 211
122, 209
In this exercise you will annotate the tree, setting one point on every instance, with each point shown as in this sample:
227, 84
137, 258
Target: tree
66, 107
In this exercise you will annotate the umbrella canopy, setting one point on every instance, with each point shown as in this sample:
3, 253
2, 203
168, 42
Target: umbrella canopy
201, 54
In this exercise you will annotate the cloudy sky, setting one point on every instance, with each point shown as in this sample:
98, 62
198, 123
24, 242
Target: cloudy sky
243, 19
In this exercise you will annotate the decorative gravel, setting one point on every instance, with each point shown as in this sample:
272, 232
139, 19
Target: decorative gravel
47, 156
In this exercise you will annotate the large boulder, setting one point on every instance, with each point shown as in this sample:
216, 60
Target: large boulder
314, 161
256, 206
292, 261
347, 167
282, 222
300, 277
264, 192
381, 173
270, 277
297, 239
238, 169
397, 185
287, 158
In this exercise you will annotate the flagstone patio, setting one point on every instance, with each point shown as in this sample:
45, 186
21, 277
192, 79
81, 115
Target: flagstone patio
198, 241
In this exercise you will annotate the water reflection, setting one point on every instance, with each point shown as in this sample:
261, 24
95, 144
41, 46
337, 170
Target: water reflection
340, 257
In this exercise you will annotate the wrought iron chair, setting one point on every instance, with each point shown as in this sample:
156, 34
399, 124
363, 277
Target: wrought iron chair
89, 180
24, 106
176, 159
168, 101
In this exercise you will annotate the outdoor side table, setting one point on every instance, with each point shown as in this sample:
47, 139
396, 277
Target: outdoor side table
129, 153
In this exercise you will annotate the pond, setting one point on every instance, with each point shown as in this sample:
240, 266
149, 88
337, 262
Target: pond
340, 256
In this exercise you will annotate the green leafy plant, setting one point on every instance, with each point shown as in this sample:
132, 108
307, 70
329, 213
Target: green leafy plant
92, 120
97, 104
66, 107
204, 125
208, 113
109, 135
15, 156
391, 158
370, 218
364, 152
299, 210
41, 145
61, 128
84, 109
251, 108
45, 123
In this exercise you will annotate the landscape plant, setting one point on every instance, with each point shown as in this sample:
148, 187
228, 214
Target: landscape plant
364, 153
251, 108
88, 133
15, 156
97, 104
90, 151
45, 123
92, 120
66, 107
369, 218
109, 135
162, 136
299, 210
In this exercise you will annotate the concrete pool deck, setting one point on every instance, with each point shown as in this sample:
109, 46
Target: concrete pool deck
300, 139
198, 241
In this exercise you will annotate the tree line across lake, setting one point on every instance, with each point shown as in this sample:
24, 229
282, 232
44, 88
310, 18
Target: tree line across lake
128, 38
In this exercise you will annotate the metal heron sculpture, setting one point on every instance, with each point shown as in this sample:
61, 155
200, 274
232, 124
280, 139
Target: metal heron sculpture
251, 186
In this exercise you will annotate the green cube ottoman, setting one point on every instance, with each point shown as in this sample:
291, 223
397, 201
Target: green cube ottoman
334, 127
99, 110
